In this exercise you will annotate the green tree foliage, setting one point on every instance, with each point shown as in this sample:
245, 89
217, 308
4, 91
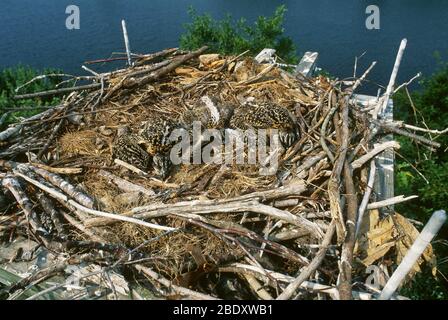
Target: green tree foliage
423, 172
426, 107
425, 287
12, 78
227, 36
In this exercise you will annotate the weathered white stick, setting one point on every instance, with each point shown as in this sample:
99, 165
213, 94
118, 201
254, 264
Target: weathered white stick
308, 270
308, 285
375, 151
62, 197
125, 185
418, 75
126, 41
64, 185
423, 240
358, 81
389, 202
130, 167
411, 127
14, 130
390, 87
91, 71
257, 287
81, 227
356, 63
366, 197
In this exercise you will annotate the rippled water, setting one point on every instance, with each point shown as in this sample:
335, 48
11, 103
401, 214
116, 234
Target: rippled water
33, 32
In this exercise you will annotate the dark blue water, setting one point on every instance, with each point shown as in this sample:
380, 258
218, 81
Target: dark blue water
33, 32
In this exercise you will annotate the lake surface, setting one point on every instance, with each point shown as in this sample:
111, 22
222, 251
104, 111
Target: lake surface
33, 32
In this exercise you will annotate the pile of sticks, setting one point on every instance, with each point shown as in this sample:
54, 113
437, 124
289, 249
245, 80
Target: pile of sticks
290, 236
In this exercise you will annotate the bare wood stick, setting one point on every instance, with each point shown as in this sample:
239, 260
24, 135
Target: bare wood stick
369, 137
125, 185
10, 132
105, 60
258, 76
54, 214
345, 264
100, 95
306, 285
129, 77
392, 127
12, 184
8, 165
96, 74
308, 270
131, 82
323, 129
309, 162
60, 196
143, 59
12, 164
288, 217
294, 189
119, 217
358, 163
408, 126
390, 87
430, 230
418, 75
148, 69
366, 197
285, 203
58, 91
54, 132
359, 81
389, 202
237, 204
126, 42
195, 207
14, 130
288, 235
64, 185
173, 65
257, 287
130, 167
178, 289
335, 178
154, 181
225, 232
79, 225
38, 277
57, 170
44, 76
125, 72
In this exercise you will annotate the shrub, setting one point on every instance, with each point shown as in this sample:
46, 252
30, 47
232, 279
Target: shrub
227, 36
429, 106
12, 78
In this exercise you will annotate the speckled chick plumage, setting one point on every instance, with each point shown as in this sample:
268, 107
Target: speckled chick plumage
126, 148
155, 138
266, 116
210, 112
155, 134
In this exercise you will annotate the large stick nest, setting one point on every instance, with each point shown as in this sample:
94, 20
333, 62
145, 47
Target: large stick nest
226, 219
